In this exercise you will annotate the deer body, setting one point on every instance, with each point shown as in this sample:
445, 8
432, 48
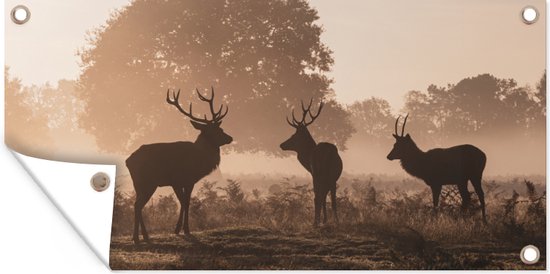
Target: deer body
320, 160
179, 165
450, 166
324, 164
167, 163
442, 166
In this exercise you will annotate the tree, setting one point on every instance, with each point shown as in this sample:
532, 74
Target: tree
541, 92
58, 103
477, 105
539, 111
372, 119
262, 58
426, 112
26, 128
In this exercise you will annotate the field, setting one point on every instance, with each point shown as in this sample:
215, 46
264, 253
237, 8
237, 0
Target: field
260, 248
378, 229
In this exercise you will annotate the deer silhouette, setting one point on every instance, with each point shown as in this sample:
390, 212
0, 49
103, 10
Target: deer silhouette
179, 165
442, 166
320, 160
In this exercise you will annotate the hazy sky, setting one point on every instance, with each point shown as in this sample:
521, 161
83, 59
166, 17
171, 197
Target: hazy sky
382, 48
386, 48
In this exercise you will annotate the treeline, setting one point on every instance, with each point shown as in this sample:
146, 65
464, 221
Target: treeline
482, 106
37, 115
262, 66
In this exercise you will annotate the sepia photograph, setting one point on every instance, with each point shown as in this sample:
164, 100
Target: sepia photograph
297, 134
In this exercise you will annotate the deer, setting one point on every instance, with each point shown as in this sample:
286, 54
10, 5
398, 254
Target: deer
179, 165
442, 166
321, 160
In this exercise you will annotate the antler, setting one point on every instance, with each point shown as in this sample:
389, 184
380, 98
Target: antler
305, 112
314, 117
404, 123
396, 123
216, 116
403, 127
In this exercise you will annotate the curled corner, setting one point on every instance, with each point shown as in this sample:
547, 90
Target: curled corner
67, 185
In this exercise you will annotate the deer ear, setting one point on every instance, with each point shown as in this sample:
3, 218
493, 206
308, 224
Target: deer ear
395, 136
198, 126
408, 136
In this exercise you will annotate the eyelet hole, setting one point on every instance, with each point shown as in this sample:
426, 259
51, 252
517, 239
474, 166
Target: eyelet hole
529, 15
100, 181
20, 15
530, 254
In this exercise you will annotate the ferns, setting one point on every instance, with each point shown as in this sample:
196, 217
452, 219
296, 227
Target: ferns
524, 218
288, 207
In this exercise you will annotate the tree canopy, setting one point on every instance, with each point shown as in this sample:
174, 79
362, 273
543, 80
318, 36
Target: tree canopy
261, 57
373, 119
26, 128
481, 105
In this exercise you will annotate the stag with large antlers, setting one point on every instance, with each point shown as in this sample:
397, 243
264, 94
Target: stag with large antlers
320, 160
442, 166
179, 165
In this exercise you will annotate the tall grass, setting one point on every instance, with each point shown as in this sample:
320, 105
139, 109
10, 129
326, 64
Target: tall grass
288, 207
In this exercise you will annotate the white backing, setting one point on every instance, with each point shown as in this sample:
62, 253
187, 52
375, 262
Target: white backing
67, 185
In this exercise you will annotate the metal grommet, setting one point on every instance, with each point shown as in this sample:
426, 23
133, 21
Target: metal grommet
20, 15
100, 181
530, 254
529, 15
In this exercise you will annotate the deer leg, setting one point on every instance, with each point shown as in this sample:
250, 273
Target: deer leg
141, 199
479, 191
436, 192
186, 202
333, 202
138, 206
316, 200
180, 196
464, 194
143, 229
317, 217
324, 203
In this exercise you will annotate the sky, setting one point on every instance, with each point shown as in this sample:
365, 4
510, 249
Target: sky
386, 48
381, 48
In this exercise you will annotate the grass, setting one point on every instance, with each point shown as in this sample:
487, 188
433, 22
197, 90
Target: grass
233, 229
323, 248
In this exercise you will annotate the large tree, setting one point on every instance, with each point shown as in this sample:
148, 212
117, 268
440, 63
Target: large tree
262, 57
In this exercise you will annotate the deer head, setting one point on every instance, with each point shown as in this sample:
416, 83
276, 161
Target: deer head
404, 145
301, 138
210, 128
